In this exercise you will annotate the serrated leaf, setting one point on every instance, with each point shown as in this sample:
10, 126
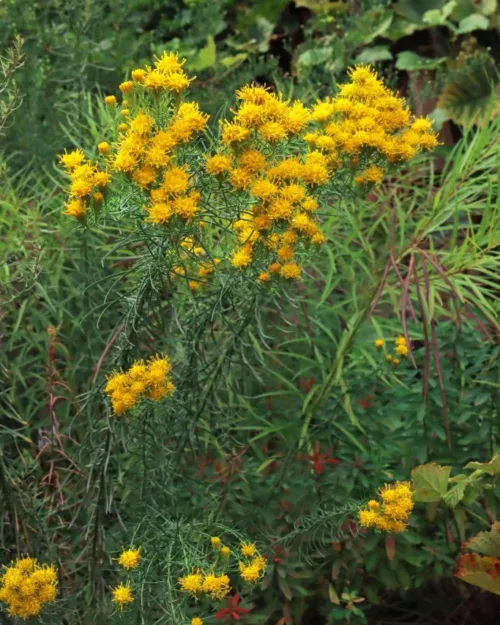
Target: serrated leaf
430, 482
491, 468
455, 495
486, 543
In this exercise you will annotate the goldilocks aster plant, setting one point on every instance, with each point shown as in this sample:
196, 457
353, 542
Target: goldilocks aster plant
211, 226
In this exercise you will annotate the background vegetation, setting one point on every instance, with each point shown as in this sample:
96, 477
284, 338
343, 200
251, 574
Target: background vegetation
295, 418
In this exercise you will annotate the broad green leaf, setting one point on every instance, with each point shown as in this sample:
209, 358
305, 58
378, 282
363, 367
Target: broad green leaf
315, 56
436, 17
372, 55
491, 468
476, 21
486, 543
410, 61
206, 57
430, 482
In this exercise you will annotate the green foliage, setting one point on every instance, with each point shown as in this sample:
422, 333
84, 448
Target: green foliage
10, 98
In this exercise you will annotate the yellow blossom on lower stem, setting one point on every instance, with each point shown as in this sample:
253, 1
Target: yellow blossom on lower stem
379, 343
215, 542
225, 551
122, 595
196, 621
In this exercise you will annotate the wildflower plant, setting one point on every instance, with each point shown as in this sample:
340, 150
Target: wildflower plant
245, 250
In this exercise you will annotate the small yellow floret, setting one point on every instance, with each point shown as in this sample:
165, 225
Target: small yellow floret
122, 595
130, 558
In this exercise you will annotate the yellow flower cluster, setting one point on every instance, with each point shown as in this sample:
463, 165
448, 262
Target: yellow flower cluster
166, 75
365, 121
122, 594
87, 186
193, 264
199, 583
143, 380
255, 159
146, 147
391, 514
402, 348
26, 586
254, 566
253, 570
130, 558
270, 169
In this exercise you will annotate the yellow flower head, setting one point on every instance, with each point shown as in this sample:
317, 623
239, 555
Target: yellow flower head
192, 583
110, 100
103, 147
169, 63
216, 586
290, 271
122, 595
242, 257
196, 621
76, 208
248, 549
216, 542
138, 75
217, 164
72, 160
129, 559
379, 343
127, 86
225, 551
